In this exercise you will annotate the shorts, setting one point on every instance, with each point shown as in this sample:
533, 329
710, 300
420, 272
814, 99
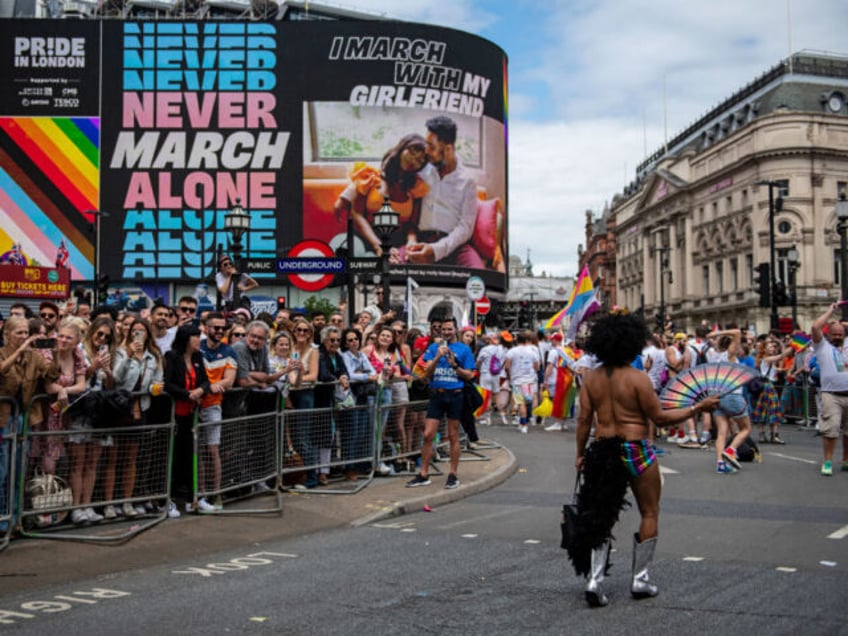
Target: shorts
637, 456
523, 393
209, 433
490, 382
82, 433
400, 393
732, 405
833, 419
447, 402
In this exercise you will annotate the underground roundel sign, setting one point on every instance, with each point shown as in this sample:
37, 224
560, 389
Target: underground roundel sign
311, 265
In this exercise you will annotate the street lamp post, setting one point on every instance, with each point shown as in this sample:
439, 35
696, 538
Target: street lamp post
775, 206
95, 226
794, 263
237, 222
842, 229
385, 222
663, 251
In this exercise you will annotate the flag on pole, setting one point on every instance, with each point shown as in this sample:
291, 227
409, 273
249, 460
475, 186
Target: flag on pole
486, 394
588, 308
799, 341
582, 292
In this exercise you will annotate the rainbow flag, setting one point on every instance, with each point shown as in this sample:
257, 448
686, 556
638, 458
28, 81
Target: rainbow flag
581, 294
486, 394
565, 390
799, 341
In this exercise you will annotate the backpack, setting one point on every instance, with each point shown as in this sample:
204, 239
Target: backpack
701, 354
748, 451
495, 365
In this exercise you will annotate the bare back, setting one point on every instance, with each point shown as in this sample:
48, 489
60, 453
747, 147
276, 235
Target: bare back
623, 400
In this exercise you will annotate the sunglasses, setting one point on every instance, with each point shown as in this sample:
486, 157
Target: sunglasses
238, 334
101, 334
351, 339
217, 328
227, 264
46, 314
301, 330
187, 310
333, 339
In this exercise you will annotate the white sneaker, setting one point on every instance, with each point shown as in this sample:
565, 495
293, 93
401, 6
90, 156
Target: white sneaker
109, 512
140, 509
385, 469
93, 516
129, 511
189, 506
503, 419
483, 422
173, 511
556, 426
261, 487
78, 516
204, 506
522, 428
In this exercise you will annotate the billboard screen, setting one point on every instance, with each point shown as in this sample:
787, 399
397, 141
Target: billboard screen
308, 126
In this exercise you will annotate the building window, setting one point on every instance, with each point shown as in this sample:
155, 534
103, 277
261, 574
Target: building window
719, 277
728, 204
782, 265
841, 188
705, 273
734, 274
715, 211
749, 269
782, 187
744, 198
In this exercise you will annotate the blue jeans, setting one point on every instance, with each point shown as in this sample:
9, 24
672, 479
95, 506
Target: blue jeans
300, 430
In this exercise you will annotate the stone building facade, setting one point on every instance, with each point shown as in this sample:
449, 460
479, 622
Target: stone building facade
699, 207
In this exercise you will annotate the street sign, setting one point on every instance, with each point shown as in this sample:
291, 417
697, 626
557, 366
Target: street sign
475, 288
483, 306
363, 265
260, 265
311, 265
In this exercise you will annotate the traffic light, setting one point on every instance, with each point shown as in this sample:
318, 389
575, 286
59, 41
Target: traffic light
523, 314
102, 289
781, 297
281, 302
762, 283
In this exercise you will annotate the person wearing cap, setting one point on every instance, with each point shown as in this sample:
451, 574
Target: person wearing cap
224, 279
49, 314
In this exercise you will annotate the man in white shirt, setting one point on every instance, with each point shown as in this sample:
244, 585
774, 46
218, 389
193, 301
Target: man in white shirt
449, 209
522, 367
833, 422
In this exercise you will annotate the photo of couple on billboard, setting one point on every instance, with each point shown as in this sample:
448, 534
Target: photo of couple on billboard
448, 194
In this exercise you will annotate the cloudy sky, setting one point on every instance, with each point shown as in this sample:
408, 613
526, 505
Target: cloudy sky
586, 88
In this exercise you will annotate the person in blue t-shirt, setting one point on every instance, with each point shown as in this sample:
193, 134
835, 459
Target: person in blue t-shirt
448, 364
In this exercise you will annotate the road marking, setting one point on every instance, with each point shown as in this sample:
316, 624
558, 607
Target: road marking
785, 569
668, 471
462, 522
794, 459
839, 534
396, 524
408, 529
532, 541
691, 558
239, 563
829, 564
469, 536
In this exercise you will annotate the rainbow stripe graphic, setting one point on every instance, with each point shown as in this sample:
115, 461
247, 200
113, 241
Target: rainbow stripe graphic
49, 181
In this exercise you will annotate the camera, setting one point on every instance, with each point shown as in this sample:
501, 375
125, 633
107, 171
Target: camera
44, 343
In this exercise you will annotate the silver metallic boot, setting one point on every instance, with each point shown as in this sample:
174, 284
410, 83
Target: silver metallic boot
594, 592
643, 554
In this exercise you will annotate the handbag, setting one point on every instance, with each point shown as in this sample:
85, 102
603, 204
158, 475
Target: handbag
569, 518
293, 460
49, 491
343, 398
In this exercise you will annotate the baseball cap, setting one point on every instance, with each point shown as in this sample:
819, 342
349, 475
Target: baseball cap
506, 336
680, 336
557, 336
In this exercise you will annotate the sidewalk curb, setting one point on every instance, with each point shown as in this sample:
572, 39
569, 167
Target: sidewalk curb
432, 499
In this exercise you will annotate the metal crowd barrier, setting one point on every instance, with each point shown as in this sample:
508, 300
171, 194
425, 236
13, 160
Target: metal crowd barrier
8, 466
247, 453
59, 468
330, 441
